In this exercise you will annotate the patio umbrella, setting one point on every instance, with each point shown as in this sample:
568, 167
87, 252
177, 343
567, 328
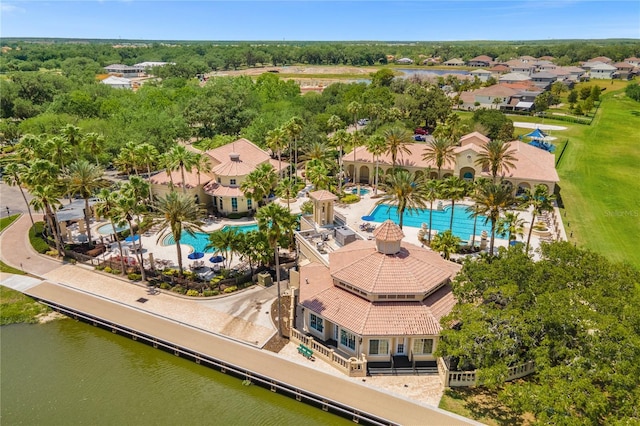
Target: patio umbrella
216, 259
132, 238
196, 255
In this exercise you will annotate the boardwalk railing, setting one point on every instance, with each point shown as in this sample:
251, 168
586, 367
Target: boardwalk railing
352, 367
469, 378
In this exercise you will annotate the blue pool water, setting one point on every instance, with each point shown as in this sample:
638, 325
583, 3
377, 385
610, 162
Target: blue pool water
462, 221
108, 229
200, 240
363, 191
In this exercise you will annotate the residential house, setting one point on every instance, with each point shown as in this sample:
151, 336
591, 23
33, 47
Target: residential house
624, 70
527, 59
602, 59
482, 61
381, 299
544, 66
514, 77
532, 165
482, 74
523, 100
404, 61
117, 82
633, 61
519, 66
432, 61
543, 79
495, 96
499, 69
121, 70
455, 62
602, 71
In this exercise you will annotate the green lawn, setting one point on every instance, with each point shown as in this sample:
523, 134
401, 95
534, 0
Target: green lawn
6, 221
15, 307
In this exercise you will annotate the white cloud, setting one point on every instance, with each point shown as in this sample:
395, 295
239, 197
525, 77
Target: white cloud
10, 8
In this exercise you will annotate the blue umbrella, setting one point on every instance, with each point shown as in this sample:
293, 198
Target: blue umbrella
131, 238
196, 255
216, 259
368, 218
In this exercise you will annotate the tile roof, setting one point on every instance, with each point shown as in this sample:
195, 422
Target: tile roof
233, 168
388, 231
249, 153
190, 177
481, 58
214, 188
495, 90
474, 137
514, 76
322, 195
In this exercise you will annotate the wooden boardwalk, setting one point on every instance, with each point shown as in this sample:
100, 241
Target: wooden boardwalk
387, 408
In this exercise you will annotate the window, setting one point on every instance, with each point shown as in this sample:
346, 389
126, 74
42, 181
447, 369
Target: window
347, 339
232, 182
422, 346
220, 202
316, 323
378, 347
249, 203
234, 204
219, 180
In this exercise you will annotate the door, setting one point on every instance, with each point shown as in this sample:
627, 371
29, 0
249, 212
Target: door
400, 347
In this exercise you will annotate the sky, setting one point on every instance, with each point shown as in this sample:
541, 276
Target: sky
308, 20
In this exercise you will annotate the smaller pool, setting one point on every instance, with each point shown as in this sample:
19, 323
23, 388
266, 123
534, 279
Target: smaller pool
200, 240
363, 191
243, 228
108, 229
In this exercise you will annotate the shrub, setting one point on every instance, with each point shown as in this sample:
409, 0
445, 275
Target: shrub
307, 207
108, 269
350, 198
165, 286
209, 293
116, 271
179, 289
193, 293
231, 289
100, 268
35, 237
134, 277
236, 215
52, 253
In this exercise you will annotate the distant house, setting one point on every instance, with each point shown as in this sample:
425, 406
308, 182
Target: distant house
602, 59
145, 67
122, 70
117, 82
602, 71
624, 70
522, 67
514, 77
483, 75
500, 69
527, 59
633, 61
432, 61
455, 62
543, 79
544, 65
488, 97
404, 61
482, 61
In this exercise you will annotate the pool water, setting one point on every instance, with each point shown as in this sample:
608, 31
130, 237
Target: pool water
108, 229
462, 220
363, 191
200, 239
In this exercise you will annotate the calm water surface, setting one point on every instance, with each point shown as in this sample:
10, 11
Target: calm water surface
68, 373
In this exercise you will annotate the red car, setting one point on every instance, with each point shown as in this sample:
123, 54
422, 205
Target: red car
420, 131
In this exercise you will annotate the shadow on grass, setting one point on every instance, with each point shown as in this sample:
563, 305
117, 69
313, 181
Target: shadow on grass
480, 404
636, 113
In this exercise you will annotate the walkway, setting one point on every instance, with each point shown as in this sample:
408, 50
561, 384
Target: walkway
163, 316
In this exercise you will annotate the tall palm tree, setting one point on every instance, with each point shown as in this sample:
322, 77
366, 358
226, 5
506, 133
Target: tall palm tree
46, 199
107, 207
277, 141
147, 154
288, 188
492, 199
496, 156
179, 213
93, 143
397, 140
376, 145
354, 108
446, 243
271, 219
293, 128
182, 159
541, 201
405, 191
73, 135
165, 161
258, 184
224, 241
439, 151
84, 178
512, 225
473, 209
58, 149
13, 176
41, 172
432, 191
31, 146
319, 177
127, 159
202, 165
135, 191
339, 140
454, 189
334, 123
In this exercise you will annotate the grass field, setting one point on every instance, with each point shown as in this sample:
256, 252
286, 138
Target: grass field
16, 308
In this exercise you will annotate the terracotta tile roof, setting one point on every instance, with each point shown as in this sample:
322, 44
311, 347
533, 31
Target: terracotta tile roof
413, 270
190, 177
233, 168
474, 137
322, 195
532, 163
249, 153
388, 231
520, 85
214, 188
500, 68
495, 90
414, 159
481, 58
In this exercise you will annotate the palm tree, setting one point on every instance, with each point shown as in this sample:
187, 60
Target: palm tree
354, 108
147, 154
293, 128
319, 177
73, 135
107, 207
247, 247
135, 191
31, 146
339, 139
454, 189
127, 158
334, 123
182, 159
225, 241
58, 149
41, 172
397, 140
288, 188
165, 161
12, 176
93, 143
496, 157
46, 199
376, 145
446, 243
439, 151
270, 221
179, 213
432, 190
473, 209
259, 183
541, 201
276, 141
492, 199
84, 178
202, 165
512, 225
404, 190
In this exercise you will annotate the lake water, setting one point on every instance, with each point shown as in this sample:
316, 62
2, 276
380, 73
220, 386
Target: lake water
408, 72
67, 373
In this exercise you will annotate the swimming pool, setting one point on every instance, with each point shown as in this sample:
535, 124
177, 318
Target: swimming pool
363, 191
200, 239
462, 220
108, 229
